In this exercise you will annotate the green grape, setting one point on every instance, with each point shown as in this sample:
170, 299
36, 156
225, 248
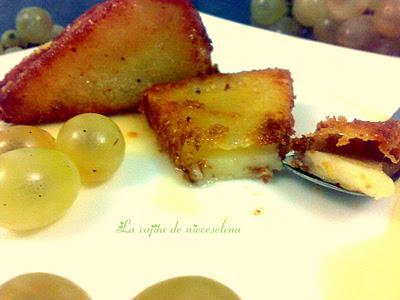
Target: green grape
56, 31
43, 286
11, 39
1, 49
22, 136
267, 12
12, 50
346, 9
95, 144
188, 287
286, 25
387, 18
385, 46
34, 25
37, 186
325, 30
309, 12
358, 33
373, 4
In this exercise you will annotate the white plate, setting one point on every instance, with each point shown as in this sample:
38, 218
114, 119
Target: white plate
278, 253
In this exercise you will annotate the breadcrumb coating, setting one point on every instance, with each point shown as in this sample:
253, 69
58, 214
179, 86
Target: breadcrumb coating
221, 112
378, 141
105, 60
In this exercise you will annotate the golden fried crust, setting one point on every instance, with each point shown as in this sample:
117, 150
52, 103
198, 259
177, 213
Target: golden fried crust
225, 127
277, 131
78, 71
378, 141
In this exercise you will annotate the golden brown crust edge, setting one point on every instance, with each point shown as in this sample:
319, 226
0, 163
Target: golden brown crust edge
279, 131
31, 66
363, 139
271, 131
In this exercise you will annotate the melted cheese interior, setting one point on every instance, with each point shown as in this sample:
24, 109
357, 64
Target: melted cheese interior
352, 174
254, 161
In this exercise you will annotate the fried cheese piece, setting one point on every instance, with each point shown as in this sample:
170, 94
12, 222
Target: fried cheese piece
352, 174
224, 126
359, 155
105, 60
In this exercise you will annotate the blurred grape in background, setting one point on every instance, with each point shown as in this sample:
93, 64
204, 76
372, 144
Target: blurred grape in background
62, 12
371, 25
29, 23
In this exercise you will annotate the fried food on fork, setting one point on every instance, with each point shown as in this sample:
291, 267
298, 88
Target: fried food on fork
358, 155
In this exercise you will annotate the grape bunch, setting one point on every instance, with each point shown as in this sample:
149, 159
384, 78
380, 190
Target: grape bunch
371, 25
34, 26
40, 176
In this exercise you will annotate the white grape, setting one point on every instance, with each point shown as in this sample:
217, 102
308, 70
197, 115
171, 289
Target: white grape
188, 288
346, 9
56, 31
285, 25
37, 186
267, 12
309, 12
11, 39
95, 143
21, 136
373, 5
387, 18
325, 30
34, 25
386, 46
43, 286
357, 32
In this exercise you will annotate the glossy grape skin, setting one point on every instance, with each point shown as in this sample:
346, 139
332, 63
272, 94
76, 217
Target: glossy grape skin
309, 12
373, 5
285, 25
358, 33
43, 286
267, 12
387, 18
95, 144
325, 30
346, 9
34, 25
21, 136
11, 39
56, 31
188, 288
37, 186
386, 46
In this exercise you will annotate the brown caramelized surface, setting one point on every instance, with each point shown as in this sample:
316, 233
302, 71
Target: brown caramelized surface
221, 112
378, 141
105, 60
